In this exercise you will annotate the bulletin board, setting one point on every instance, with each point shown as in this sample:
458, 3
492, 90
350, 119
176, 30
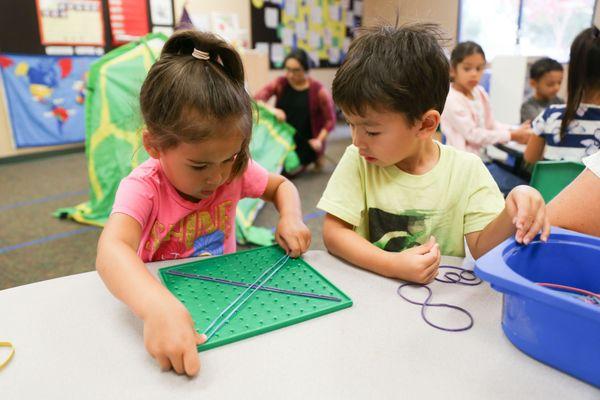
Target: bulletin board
322, 28
70, 23
80, 27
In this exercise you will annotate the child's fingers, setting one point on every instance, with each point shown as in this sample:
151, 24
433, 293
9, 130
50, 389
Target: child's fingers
164, 362
191, 361
534, 229
430, 257
281, 242
295, 247
546, 229
200, 338
176, 359
425, 247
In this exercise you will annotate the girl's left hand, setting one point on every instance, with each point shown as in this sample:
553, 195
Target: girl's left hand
527, 211
293, 236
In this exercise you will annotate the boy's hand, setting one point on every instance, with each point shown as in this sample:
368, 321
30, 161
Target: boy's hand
170, 337
419, 264
293, 236
527, 210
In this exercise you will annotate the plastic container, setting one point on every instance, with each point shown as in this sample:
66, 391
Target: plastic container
550, 177
550, 326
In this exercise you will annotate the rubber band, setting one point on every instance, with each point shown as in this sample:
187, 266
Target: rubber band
255, 286
10, 355
463, 277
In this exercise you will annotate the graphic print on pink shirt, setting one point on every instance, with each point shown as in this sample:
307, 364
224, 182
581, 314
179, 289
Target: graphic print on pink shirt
198, 234
173, 227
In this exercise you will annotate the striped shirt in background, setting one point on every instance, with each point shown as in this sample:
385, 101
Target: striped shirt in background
583, 134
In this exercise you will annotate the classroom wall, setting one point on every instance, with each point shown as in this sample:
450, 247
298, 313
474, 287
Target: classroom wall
444, 13
242, 8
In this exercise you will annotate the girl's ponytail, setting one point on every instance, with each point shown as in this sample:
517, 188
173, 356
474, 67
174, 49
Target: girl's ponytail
584, 73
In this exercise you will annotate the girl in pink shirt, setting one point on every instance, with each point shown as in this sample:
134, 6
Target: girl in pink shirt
181, 202
467, 120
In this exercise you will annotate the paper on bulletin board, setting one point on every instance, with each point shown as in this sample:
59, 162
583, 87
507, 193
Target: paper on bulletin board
161, 12
75, 22
358, 8
128, 20
277, 54
271, 17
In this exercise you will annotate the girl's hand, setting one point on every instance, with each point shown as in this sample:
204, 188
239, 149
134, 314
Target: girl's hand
527, 210
522, 133
293, 236
170, 337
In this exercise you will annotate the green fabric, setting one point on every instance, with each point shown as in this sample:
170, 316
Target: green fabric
395, 210
113, 137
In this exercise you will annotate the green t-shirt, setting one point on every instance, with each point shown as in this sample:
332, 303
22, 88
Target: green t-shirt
396, 210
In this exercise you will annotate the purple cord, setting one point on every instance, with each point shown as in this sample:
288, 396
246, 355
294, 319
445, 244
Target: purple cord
450, 277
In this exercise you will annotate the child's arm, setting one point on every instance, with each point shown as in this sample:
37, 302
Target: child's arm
534, 151
169, 334
418, 264
292, 235
576, 207
524, 213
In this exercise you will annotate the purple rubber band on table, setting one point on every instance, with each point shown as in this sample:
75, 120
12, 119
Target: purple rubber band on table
451, 277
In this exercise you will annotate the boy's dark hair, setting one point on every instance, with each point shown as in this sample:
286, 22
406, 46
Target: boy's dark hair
464, 50
300, 56
584, 72
183, 98
401, 69
543, 66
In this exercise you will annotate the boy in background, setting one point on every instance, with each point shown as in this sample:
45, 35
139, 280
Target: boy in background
546, 76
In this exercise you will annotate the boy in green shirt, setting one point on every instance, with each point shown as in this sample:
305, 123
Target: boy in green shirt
398, 199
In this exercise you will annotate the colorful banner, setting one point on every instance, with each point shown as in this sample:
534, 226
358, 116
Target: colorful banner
45, 97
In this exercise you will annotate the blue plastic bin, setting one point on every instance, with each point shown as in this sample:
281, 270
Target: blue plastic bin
550, 326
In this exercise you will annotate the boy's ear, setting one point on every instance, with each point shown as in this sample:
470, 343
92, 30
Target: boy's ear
429, 123
150, 148
533, 83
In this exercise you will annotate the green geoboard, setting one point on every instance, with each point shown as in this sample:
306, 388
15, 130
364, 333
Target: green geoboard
266, 310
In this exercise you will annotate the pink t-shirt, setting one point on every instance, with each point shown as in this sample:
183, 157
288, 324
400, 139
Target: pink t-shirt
173, 227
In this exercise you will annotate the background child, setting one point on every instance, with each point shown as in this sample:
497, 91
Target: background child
572, 131
546, 76
181, 202
467, 120
395, 188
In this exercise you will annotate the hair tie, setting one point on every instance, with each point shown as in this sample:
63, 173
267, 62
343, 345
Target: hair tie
200, 55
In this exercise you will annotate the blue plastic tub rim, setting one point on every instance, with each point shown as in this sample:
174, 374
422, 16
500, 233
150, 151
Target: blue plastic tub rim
505, 280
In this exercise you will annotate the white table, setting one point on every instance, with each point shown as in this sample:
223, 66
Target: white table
75, 341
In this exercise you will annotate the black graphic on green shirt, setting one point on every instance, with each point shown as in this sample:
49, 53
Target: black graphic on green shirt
398, 232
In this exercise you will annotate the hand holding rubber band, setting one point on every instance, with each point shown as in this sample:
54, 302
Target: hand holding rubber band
464, 277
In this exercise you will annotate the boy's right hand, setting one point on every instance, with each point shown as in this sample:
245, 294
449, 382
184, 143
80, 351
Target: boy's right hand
418, 264
170, 337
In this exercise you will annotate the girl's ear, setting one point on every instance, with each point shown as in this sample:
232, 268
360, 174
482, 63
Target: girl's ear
150, 148
429, 123
452, 73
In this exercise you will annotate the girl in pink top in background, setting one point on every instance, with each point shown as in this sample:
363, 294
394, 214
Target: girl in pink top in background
467, 120
181, 202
